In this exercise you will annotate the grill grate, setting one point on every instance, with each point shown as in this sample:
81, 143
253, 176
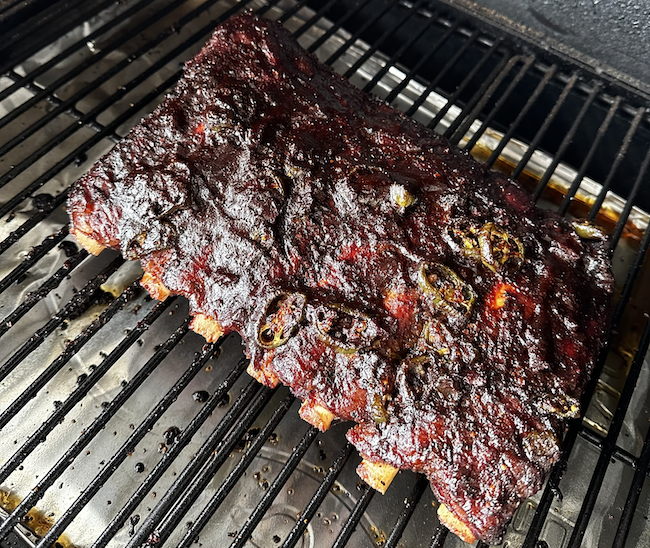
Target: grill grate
91, 366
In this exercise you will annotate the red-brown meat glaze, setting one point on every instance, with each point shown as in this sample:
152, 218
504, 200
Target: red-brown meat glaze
373, 268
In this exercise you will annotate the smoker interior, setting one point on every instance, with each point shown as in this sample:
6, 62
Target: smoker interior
119, 427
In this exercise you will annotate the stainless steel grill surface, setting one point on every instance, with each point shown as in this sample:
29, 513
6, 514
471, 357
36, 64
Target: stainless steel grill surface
120, 427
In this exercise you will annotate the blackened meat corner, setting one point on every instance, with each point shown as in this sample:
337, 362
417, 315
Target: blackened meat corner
385, 276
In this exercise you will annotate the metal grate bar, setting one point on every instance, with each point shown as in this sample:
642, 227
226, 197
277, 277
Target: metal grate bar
632, 274
499, 104
398, 54
622, 151
463, 122
30, 223
610, 441
77, 17
80, 68
565, 142
522, 113
40, 181
77, 303
629, 203
360, 31
633, 496
468, 78
203, 455
411, 73
336, 26
37, 42
310, 22
355, 516
405, 515
199, 481
34, 255
287, 14
621, 454
237, 472
602, 129
128, 446
308, 513
387, 34
71, 111
114, 97
575, 426
269, 496
532, 147
71, 350
100, 421
182, 440
88, 144
439, 537
21, 81
34, 297
79, 392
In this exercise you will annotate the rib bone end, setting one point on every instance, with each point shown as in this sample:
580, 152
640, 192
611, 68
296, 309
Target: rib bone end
455, 525
89, 244
208, 327
378, 475
263, 376
316, 415
155, 287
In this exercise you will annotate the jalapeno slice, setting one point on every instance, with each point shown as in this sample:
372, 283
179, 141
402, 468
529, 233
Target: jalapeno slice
378, 411
588, 231
448, 292
281, 319
499, 249
489, 244
344, 329
465, 238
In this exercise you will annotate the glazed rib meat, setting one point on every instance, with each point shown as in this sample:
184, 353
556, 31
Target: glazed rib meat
383, 275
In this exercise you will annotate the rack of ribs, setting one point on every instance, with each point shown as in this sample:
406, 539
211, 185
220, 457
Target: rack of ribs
381, 274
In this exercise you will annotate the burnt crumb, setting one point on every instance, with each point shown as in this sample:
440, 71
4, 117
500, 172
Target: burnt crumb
139, 467
162, 448
276, 539
57, 404
42, 202
171, 434
273, 439
200, 396
10, 217
69, 248
224, 401
245, 442
99, 297
80, 159
133, 521
322, 455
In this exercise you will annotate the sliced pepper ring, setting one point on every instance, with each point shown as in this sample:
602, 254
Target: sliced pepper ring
281, 319
448, 292
500, 249
344, 329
